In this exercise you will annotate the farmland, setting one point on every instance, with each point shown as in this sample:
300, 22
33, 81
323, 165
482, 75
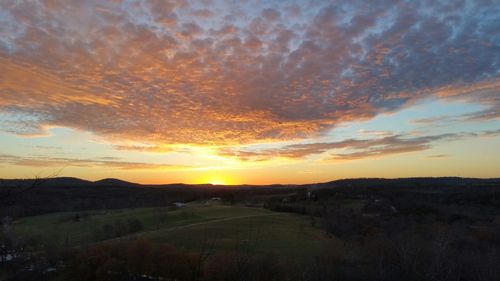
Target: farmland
225, 226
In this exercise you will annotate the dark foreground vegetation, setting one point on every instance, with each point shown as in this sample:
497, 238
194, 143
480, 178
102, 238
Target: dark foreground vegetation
369, 229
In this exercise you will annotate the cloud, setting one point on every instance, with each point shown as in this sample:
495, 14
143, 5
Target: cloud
108, 162
390, 145
172, 72
204, 13
438, 156
491, 133
270, 14
151, 148
380, 146
435, 120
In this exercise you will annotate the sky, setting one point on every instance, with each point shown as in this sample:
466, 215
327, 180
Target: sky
254, 92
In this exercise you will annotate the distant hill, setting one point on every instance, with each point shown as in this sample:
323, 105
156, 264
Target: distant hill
52, 182
20, 198
365, 182
410, 182
114, 183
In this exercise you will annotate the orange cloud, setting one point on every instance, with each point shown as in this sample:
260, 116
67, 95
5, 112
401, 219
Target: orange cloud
103, 162
171, 72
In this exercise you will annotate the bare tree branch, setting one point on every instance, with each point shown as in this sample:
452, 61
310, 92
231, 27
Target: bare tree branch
21, 187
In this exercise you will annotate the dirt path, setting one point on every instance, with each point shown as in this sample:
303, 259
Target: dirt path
215, 221
175, 228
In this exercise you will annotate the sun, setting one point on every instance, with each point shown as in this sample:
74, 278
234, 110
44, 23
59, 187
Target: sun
215, 180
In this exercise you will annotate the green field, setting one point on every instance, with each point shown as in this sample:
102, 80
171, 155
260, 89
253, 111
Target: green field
224, 227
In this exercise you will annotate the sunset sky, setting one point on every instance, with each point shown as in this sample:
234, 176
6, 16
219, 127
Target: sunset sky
256, 92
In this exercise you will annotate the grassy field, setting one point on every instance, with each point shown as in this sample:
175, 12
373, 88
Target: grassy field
224, 227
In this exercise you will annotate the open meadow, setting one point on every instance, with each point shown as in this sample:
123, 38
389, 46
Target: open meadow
224, 227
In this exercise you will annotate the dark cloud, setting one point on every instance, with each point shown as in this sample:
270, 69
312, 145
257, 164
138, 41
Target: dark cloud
169, 72
438, 156
492, 133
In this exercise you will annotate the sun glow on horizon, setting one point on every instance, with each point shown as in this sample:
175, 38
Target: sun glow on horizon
217, 182
215, 179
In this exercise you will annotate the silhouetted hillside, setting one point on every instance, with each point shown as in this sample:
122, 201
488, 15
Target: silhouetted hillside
410, 182
18, 198
114, 183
